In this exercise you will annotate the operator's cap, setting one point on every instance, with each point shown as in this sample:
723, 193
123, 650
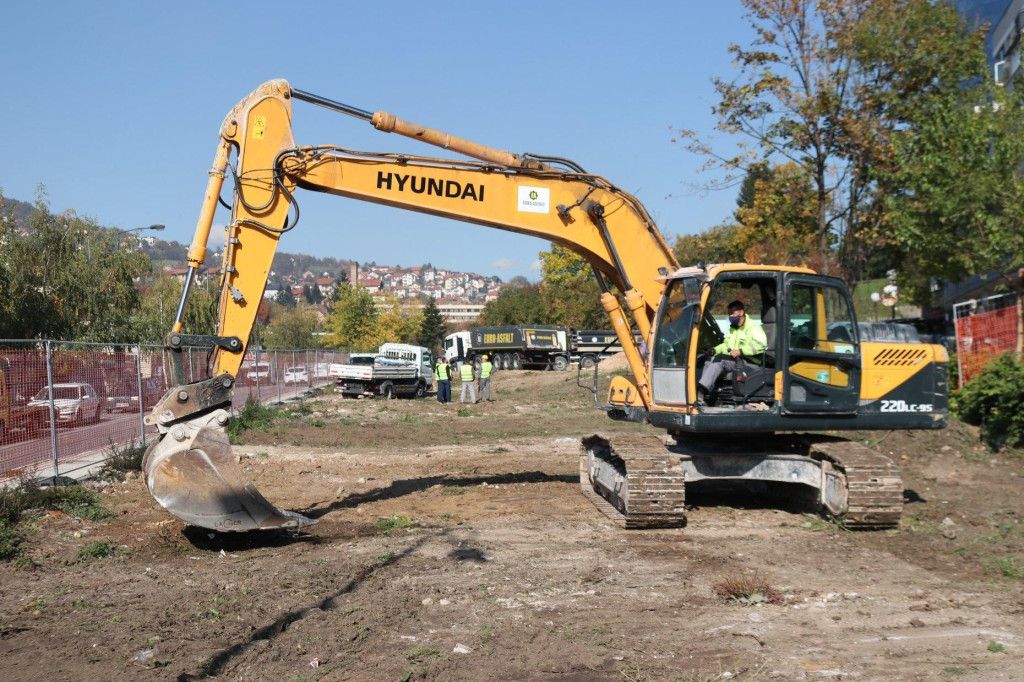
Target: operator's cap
484, 357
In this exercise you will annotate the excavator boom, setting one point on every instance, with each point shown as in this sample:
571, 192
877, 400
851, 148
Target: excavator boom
190, 470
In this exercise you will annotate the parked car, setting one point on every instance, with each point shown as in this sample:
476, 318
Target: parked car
72, 403
124, 396
296, 375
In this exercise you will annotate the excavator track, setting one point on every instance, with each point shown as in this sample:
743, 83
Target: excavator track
634, 484
874, 486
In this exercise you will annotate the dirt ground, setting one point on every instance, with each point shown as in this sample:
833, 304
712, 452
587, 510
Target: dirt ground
453, 544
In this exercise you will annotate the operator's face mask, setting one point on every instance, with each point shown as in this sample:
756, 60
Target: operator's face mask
734, 320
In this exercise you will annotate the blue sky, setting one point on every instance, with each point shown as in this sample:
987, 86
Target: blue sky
115, 106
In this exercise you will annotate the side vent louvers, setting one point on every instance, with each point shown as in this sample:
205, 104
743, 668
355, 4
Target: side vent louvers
901, 357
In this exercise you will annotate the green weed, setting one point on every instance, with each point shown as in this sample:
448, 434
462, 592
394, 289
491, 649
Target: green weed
122, 459
97, 550
253, 416
384, 525
995, 647
419, 653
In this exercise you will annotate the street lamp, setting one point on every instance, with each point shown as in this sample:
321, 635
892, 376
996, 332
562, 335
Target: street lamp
155, 227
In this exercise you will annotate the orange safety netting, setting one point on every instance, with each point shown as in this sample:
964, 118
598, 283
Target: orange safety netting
983, 337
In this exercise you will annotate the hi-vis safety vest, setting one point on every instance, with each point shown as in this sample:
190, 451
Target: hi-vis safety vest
466, 372
485, 369
440, 373
750, 340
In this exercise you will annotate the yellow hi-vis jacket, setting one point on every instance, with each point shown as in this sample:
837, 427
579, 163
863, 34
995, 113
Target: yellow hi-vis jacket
440, 372
750, 340
466, 371
485, 369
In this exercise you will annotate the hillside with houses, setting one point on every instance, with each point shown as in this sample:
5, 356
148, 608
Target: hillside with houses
460, 296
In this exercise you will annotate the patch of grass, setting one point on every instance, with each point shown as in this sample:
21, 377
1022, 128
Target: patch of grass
748, 588
1009, 567
72, 500
302, 410
421, 652
465, 412
816, 524
995, 647
97, 550
453, 490
10, 540
253, 416
318, 423
955, 670
391, 523
123, 458
386, 556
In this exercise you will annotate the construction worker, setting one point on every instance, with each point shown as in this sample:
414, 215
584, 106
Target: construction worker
443, 376
466, 375
485, 378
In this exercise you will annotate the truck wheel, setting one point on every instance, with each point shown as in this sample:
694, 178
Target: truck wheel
476, 364
421, 389
516, 362
506, 361
387, 389
560, 363
587, 361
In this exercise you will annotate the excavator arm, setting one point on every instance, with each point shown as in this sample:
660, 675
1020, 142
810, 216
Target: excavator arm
190, 470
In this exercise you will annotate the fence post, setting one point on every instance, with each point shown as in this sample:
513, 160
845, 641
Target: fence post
256, 368
53, 416
142, 395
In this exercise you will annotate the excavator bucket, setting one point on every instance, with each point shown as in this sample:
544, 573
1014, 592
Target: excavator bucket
191, 472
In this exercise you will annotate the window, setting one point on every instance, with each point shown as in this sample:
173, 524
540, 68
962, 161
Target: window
675, 323
820, 319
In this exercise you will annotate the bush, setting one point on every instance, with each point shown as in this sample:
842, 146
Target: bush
252, 416
122, 459
994, 401
73, 500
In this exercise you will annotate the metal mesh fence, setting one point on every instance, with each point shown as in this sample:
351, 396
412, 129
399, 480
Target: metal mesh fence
985, 329
66, 406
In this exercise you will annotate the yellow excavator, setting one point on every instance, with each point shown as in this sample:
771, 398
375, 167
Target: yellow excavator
821, 371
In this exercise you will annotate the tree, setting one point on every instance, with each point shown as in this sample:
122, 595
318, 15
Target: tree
285, 297
955, 191
794, 100
312, 294
433, 328
293, 329
515, 305
393, 323
570, 293
160, 298
777, 219
66, 277
351, 319
720, 244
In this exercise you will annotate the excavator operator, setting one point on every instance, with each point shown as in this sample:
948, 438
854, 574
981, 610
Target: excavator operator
745, 342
